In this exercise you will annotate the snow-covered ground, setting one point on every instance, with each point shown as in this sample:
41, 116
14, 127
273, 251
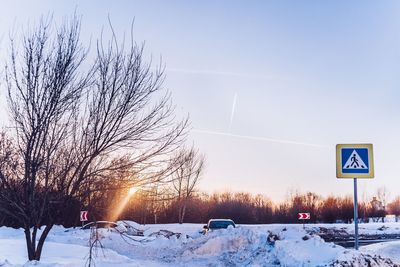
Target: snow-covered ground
246, 245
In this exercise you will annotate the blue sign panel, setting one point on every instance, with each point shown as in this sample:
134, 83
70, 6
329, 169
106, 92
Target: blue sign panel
354, 161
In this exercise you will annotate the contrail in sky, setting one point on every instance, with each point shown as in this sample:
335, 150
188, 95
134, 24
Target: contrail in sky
228, 73
233, 111
256, 138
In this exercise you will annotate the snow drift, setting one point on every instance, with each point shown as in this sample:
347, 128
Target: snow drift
183, 245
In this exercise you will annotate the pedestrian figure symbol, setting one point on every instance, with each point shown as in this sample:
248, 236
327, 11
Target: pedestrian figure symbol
354, 161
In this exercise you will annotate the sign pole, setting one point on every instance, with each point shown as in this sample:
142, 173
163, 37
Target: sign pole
355, 161
355, 215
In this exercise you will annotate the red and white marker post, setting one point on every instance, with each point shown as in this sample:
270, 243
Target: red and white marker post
84, 216
303, 216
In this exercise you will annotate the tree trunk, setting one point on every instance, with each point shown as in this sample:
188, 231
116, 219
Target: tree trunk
182, 211
35, 252
29, 247
179, 214
42, 238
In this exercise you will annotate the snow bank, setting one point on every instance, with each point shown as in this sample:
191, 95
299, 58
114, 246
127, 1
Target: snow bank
389, 250
261, 245
295, 246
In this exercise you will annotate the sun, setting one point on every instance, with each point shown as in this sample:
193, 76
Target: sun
132, 191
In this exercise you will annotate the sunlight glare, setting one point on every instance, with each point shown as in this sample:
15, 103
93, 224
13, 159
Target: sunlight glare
117, 212
132, 191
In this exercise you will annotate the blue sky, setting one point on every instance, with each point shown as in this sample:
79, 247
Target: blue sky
314, 73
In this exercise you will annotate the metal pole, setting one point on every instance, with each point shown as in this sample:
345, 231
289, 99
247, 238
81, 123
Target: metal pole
355, 215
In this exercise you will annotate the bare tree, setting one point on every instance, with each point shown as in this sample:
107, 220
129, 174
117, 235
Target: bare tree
74, 130
329, 209
186, 177
383, 195
394, 208
346, 209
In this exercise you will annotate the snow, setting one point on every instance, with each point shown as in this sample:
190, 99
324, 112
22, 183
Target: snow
251, 245
388, 249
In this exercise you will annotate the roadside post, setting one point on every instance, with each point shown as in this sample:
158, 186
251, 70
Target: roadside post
354, 161
84, 216
303, 216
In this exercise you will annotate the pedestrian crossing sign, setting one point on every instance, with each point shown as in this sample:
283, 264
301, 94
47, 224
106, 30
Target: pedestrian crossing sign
354, 161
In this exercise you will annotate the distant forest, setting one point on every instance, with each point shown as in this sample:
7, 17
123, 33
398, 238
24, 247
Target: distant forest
246, 208
145, 207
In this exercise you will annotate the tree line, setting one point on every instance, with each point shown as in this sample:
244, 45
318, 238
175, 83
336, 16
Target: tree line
165, 204
246, 208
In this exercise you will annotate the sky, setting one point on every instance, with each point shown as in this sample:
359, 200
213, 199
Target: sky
270, 86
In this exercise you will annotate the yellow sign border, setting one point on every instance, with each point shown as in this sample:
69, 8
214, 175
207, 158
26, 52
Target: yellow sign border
340, 174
